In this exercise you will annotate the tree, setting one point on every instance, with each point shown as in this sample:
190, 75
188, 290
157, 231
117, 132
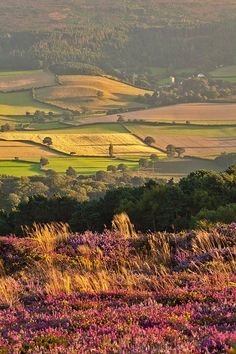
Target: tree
111, 168
154, 157
6, 127
71, 172
68, 115
44, 161
143, 163
180, 151
149, 140
100, 94
100, 175
47, 141
120, 118
122, 167
170, 150
111, 150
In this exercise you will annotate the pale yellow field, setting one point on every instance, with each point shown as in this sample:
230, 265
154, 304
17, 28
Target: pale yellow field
12, 149
14, 81
88, 145
200, 113
78, 91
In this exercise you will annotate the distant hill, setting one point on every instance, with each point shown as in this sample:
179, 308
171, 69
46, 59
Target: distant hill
117, 34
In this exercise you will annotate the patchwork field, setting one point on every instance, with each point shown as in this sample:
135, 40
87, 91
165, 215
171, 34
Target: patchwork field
198, 141
21, 80
203, 113
87, 144
12, 149
18, 103
80, 92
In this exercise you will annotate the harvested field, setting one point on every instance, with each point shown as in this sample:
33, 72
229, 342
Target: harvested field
203, 113
21, 80
202, 142
79, 91
12, 149
88, 145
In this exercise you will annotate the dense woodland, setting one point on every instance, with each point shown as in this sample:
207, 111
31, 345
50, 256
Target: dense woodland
152, 205
122, 35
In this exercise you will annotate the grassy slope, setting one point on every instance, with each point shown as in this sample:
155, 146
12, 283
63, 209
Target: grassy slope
18, 103
80, 91
18, 169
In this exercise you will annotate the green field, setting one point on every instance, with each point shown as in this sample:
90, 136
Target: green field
18, 103
18, 169
83, 166
59, 128
226, 73
19, 72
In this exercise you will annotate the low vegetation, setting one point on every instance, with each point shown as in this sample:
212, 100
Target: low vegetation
108, 292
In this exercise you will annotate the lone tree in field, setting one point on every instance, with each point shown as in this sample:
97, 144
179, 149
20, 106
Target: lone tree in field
111, 168
120, 119
100, 94
180, 151
149, 140
44, 161
71, 172
122, 167
143, 163
47, 141
111, 150
170, 150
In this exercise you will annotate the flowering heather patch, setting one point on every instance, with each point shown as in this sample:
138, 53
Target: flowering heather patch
184, 305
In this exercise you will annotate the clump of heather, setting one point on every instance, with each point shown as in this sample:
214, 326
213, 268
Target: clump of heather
103, 293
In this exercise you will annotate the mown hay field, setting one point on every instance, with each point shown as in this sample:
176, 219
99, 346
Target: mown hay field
198, 141
12, 149
87, 144
77, 92
18, 103
22, 80
203, 113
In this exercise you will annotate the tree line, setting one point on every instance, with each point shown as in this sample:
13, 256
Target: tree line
201, 197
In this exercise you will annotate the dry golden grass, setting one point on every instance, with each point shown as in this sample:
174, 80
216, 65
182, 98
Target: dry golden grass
88, 144
121, 223
12, 149
80, 91
9, 291
48, 236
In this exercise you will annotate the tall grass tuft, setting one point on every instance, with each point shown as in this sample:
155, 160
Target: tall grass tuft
9, 291
48, 236
121, 223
